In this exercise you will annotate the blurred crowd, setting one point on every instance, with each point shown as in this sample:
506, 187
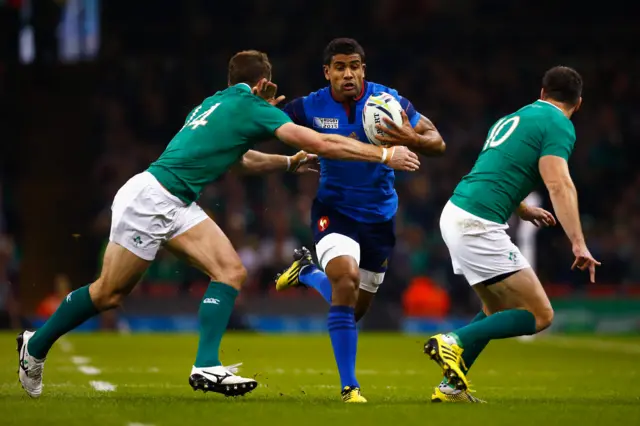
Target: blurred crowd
463, 86
9, 269
463, 67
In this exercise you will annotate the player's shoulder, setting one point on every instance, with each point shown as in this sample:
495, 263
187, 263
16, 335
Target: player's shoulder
317, 102
318, 98
373, 87
549, 115
532, 114
406, 104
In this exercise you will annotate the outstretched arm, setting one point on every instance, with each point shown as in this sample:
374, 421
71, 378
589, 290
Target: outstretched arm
564, 197
256, 163
341, 148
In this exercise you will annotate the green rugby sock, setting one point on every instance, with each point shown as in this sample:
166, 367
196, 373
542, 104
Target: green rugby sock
471, 352
214, 313
501, 325
75, 309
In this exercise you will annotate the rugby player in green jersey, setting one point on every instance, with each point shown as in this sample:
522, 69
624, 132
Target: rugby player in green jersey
523, 150
157, 208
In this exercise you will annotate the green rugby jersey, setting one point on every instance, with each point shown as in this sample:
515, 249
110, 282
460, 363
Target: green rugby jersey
506, 170
216, 135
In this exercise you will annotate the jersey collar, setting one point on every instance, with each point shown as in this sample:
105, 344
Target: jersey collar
243, 86
365, 85
549, 103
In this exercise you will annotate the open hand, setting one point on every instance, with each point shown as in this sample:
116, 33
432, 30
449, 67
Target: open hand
397, 135
267, 90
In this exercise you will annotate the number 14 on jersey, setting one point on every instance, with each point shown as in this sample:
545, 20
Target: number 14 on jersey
201, 120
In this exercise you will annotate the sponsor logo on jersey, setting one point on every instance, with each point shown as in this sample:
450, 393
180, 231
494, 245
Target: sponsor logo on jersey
325, 123
211, 300
323, 223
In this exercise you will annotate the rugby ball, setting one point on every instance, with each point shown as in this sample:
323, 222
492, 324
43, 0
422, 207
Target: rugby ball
379, 105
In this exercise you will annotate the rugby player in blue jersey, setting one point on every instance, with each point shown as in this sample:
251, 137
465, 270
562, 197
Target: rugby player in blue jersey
353, 215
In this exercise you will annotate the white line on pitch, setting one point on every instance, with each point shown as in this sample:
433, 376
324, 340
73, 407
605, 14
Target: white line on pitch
80, 360
89, 370
102, 386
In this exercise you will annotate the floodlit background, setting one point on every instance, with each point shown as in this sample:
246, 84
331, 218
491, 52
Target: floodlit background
91, 91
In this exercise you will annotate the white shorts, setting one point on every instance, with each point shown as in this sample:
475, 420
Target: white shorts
479, 249
336, 245
145, 216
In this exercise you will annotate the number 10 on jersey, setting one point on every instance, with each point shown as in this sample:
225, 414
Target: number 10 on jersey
501, 131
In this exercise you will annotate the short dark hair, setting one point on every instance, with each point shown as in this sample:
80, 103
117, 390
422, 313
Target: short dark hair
249, 66
563, 84
342, 46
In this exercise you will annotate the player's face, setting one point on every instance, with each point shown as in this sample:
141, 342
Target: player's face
346, 74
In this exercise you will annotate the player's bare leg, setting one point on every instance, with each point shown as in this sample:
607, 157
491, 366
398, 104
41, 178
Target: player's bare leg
521, 290
121, 271
365, 299
207, 248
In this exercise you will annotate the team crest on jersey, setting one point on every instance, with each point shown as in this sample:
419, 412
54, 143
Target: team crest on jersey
325, 123
323, 223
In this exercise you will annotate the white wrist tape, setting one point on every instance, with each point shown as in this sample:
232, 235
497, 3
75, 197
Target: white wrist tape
393, 151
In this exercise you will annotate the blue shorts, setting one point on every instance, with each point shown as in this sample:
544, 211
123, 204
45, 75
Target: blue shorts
375, 240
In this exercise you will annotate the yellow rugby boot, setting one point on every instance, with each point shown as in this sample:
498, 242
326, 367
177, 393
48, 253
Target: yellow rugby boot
290, 277
445, 393
352, 395
448, 355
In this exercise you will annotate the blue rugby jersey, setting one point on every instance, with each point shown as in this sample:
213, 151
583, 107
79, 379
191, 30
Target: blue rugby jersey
363, 191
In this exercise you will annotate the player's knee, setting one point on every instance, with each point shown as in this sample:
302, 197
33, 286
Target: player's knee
104, 296
234, 274
544, 318
345, 287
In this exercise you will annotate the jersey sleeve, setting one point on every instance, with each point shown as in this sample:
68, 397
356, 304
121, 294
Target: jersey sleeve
295, 111
412, 114
558, 139
267, 118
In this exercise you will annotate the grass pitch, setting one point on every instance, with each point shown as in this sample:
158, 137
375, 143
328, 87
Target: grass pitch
142, 379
